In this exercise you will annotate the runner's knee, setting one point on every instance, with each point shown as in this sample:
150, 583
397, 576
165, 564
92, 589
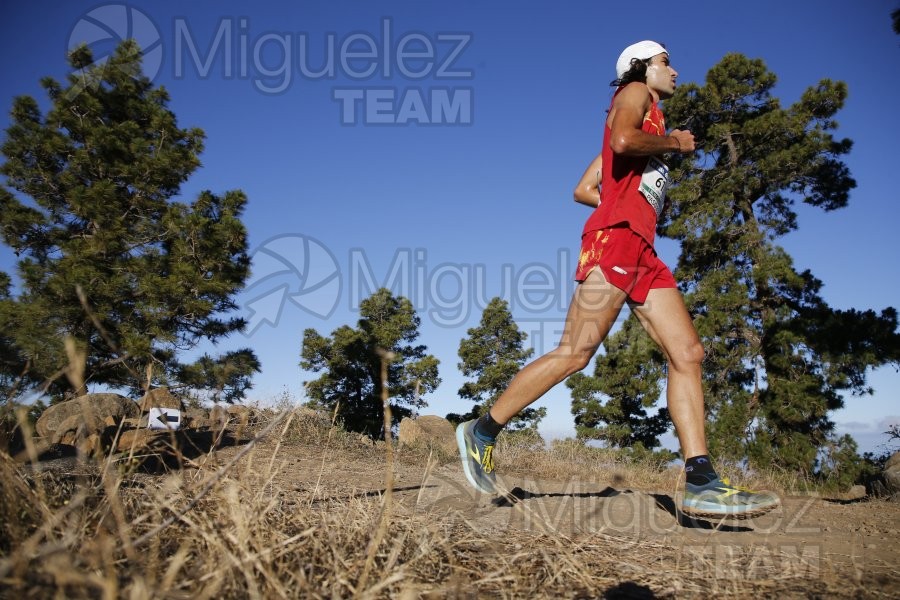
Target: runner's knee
571, 361
688, 356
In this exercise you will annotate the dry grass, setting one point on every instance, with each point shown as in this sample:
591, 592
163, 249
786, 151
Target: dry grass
569, 458
243, 527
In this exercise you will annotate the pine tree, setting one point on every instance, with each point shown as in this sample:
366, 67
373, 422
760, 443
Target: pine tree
493, 354
12, 363
351, 365
106, 257
226, 377
778, 357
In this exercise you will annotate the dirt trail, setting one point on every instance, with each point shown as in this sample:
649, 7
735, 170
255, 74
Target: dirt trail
809, 538
805, 533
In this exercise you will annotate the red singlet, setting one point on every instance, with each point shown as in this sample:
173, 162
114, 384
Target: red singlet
620, 201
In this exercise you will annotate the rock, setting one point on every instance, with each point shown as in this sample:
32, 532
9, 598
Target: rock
196, 417
856, 492
83, 433
892, 475
239, 415
160, 398
154, 448
67, 431
430, 431
92, 444
410, 433
218, 417
90, 406
137, 440
893, 461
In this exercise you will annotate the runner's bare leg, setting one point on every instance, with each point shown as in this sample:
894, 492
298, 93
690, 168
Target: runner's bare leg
666, 319
594, 308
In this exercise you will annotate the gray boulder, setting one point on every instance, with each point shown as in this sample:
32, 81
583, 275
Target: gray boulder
93, 408
81, 432
194, 418
892, 475
160, 398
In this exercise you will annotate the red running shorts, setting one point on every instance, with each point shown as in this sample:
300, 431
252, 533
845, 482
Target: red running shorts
626, 260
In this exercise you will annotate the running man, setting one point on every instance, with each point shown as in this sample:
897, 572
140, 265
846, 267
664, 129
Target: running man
618, 264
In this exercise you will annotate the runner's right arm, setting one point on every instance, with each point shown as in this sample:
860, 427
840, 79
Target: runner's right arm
626, 118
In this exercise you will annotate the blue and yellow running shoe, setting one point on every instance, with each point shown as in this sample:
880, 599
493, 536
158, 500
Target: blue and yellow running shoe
718, 498
477, 459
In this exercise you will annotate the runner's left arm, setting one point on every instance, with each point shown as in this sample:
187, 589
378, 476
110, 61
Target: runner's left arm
587, 191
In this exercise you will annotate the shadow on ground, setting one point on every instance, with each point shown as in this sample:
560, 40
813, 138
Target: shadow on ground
663, 502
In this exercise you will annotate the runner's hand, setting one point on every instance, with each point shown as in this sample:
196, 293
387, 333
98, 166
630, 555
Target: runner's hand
685, 140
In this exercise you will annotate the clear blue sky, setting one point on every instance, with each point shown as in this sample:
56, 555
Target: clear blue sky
500, 107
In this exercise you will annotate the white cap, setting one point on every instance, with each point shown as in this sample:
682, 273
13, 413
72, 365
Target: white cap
641, 51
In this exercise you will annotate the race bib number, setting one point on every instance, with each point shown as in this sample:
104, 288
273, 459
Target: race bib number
654, 183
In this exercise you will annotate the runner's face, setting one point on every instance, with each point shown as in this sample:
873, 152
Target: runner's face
661, 76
